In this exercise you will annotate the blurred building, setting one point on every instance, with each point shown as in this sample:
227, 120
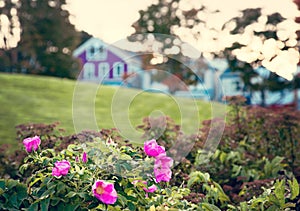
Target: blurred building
107, 64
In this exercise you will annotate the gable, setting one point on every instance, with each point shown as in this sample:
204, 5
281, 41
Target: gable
95, 49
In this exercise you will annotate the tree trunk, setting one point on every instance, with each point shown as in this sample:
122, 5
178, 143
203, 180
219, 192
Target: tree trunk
263, 98
295, 98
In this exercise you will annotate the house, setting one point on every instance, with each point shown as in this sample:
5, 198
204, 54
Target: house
232, 83
229, 83
106, 64
220, 81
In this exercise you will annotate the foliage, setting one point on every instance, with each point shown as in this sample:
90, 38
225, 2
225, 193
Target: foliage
252, 152
47, 38
13, 195
212, 191
254, 128
105, 161
280, 196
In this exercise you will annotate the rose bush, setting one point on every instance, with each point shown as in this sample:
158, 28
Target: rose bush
107, 177
101, 171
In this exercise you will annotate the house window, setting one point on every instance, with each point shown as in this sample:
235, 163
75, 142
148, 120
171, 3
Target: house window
100, 52
90, 53
118, 69
103, 70
101, 49
96, 52
88, 71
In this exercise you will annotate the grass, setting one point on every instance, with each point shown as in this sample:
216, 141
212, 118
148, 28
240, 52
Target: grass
79, 106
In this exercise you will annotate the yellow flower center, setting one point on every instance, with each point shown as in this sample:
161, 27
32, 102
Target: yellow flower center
99, 190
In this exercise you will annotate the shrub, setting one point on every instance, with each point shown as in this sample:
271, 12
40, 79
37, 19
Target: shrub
95, 175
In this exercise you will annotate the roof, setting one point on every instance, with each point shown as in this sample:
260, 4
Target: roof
123, 54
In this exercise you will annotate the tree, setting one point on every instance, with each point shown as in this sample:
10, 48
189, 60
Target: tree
154, 28
246, 64
47, 37
244, 40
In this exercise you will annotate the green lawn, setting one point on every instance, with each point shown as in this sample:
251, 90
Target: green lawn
37, 99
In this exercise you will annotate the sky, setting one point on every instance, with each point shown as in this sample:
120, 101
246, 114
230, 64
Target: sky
111, 20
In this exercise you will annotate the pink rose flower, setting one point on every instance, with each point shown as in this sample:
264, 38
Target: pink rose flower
105, 192
32, 143
150, 189
163, 161
152, 149
162, 174
162, 165
84, 157
61, 168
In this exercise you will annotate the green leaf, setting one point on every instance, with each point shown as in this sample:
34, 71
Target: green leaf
288, 205
71, 207
294, 187
122, 199
208, 207
34, 181
69, 152
279, 191
71, 194
23, 168
192, 181
46, 162
60, 187
236, 170
11, 183
118, 168
83, 195
102, 146
197, 177
127, 166
47, 193
223, 156
272, 208
33, 207
45, 204
125, 157
2, 184
244, 206
221, 193
13, 199
168, 191
131, 206
101, 207
21, 191
55, 201
72, 147
78, 170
